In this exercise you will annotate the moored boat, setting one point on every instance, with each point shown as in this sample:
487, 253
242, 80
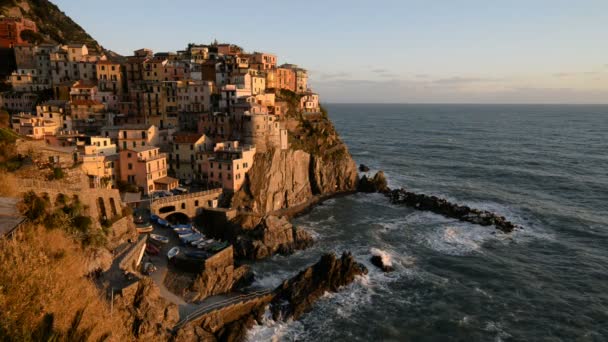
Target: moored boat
153, 218
163, 223
143, 229
159, 238
173, 252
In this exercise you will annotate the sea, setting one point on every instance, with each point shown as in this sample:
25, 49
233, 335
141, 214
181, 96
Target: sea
544, 167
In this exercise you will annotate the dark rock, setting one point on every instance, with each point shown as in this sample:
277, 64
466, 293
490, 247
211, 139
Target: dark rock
448, 209
272, 235
296, 296
378, 262
363, 168
376, 184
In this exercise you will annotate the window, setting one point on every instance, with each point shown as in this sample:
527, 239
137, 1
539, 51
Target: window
183, 205
129, 155
130, 166
196, 203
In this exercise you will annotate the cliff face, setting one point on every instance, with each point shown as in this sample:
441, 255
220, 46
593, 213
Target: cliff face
272, 235
318, 164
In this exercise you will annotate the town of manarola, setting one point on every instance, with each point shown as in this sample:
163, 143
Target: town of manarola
303, 171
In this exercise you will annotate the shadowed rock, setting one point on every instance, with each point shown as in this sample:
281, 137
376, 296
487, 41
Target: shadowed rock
296, 296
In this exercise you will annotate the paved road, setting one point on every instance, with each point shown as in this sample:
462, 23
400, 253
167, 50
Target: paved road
218, 302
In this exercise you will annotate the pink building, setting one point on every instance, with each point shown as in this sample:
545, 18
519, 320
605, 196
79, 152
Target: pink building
146, 168
229, 164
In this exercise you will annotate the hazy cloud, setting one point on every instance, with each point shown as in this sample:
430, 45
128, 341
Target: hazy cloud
464, 80
444, 91
422, 76
334, 75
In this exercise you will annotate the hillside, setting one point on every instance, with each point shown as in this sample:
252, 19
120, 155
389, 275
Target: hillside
53, 24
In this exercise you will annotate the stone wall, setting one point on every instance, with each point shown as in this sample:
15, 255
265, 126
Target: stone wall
191, 204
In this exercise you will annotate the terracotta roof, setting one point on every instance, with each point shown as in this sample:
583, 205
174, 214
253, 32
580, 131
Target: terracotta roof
84, 84
166, 180
86, 103
186, 138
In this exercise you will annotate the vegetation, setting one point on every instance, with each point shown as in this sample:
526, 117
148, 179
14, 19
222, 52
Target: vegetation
65, 214
126, 187
45, 295
56, 174
32, 37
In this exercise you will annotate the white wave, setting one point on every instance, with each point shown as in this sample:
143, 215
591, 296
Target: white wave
271, 330
459, 239
386, 257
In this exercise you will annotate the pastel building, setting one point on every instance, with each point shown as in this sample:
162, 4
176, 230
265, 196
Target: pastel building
146, 168
132, 135
309, 103
264, 131
184, 151
33, 127
229, 164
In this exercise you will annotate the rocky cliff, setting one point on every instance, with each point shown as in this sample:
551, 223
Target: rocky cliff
145, 312
317, 165
272, 235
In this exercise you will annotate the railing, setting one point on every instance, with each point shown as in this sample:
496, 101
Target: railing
220, 305
170, 199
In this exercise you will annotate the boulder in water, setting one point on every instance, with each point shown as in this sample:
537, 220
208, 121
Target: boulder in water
382, 260
363, 168
375, 184
295, 296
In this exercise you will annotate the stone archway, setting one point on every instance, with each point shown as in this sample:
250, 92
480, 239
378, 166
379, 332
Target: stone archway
178, 217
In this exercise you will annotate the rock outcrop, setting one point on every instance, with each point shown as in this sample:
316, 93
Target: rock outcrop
296, 296
272, 235
375, 184
363, 168
145, 312
435, 204
443, 207
277, 179
382, 260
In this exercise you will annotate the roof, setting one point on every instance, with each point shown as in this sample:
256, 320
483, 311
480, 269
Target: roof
186, 138
166, 180
84, 84
75, 45
130, 197
10, 218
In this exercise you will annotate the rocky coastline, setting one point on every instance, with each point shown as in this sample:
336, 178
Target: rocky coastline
435, 204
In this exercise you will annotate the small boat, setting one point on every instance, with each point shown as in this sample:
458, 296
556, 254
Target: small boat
163, 222
188, 239
177, 230
152, 250
187, 226
185, 233
205, 244
144, 229
153, 218
173, 252
159, 238
197, 241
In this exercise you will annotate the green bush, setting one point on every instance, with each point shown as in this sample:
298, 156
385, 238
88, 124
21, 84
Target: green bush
57, 173
82, 223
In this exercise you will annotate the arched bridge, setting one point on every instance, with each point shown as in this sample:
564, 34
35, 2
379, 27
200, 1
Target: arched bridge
189, 205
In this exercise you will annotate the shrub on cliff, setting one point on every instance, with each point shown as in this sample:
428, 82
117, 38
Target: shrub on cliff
45, 295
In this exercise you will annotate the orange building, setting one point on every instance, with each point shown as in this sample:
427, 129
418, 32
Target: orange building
11, 28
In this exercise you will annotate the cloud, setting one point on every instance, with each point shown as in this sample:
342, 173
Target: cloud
430, 91
464, 80
334, 75
422, 76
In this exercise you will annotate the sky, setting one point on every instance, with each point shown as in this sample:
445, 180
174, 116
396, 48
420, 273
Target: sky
431, 51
